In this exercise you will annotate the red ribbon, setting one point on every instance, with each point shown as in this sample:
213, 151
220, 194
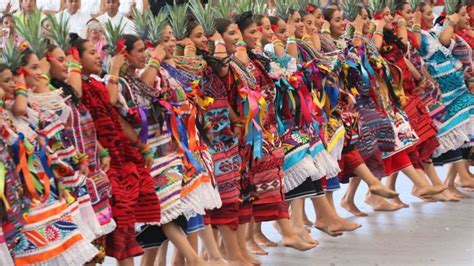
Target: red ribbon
49, 57
121, 47
274, 28
74, 52
23, 71
310, 9
378, 15
149, 45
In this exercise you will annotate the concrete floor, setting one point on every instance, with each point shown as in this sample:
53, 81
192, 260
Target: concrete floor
424, 234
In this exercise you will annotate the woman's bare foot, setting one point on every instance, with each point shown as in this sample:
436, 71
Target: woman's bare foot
303, 234
298, 243
467, 182
254, 248
445, 196
350, 206
457, 193
399, 203
332, 228
307, 222
348, 225
430, 190
426, 198
250, 259
262, 240
217, 262
381, 204
382, 191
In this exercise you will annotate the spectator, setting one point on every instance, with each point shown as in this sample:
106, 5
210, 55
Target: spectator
77, 18
112, 14
8, 30
126, 6
49, 6
93, 8
26, 7
95, 34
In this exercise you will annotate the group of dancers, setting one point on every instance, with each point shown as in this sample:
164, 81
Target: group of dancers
211, 120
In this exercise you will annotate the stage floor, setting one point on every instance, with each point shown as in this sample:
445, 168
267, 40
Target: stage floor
423, 234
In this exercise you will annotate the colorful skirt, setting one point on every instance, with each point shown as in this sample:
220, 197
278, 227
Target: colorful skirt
51, 237
100, 192
458, 122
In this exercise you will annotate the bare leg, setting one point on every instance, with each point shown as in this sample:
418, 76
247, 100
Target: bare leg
290, 237
297, 221
209, 243
329, 196
260, 238
149, 256
327, 219
307, 222
375, 187
252, 246
347, 201
243, 247
234, 255
186, 250
126, 262
423, 187
162, 253
452, 173
391, 183
465, 179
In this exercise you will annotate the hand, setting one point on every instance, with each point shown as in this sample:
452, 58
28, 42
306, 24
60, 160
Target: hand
20, 79
8, 8
160, 52
238, 132
358, 23
379, 24
105, 164
186, 42
117, 62
471, 87
291, 29
326, 25
454, 18
44, 65
417, 16
216, 37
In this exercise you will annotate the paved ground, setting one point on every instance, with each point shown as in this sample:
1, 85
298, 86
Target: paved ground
424, 234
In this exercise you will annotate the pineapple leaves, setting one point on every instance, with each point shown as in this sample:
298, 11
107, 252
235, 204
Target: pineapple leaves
29, 28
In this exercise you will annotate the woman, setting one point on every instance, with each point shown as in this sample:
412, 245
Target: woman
138, 92
95, 34
58, 177
426, 89
81, 129
133, 196
219, 118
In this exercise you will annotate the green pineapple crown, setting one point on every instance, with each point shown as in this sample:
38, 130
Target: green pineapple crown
224, 9
60, 31
350, 9
415, 4
157, 25
243, 6
113, 34
284, 8
29, 28
377, 6
204, 15
452, 6
260, 7
11, 56
141, 23
178, 20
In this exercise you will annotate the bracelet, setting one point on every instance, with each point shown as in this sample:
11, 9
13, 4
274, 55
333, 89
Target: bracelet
416, 28
74, 65
2, 103
378, 32
242, 48
326, 30
402, 22
190, 47
241, 43
111, 79
21, 92
104, 153
154, 63
292, 40
305, 37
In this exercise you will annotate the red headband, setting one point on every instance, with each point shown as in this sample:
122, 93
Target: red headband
74, 52
120, 47
23, 71
379, 15
274, 28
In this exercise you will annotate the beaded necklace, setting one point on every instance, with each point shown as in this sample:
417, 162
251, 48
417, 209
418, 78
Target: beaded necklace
244, 71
